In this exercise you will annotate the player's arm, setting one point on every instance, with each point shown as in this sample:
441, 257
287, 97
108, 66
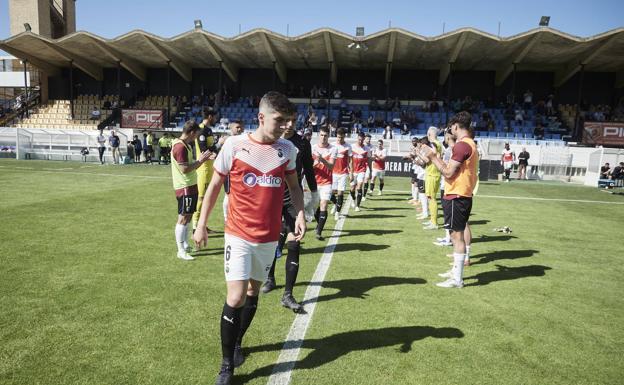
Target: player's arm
203, 157
212, 193
446, 169
296, 196
308, 166
328, 163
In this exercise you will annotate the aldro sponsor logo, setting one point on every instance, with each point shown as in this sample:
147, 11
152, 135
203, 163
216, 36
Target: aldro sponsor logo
250, 180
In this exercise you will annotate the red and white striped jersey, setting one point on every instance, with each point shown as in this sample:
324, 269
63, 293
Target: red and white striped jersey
377, 163
343, 157
257, 172
322, 174
360, 157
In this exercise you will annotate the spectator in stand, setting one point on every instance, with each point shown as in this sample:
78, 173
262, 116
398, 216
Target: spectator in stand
387, 132
605, 171
599, 115
528, 100
389, 105
314, 92
95, 113
396, 105
538, 132
519, 116
322, 104
434, 107
379, 122
523, 162
343, 104
337, 94
19, 104
138, 147
313, 121
300, 121
357, 113
114, 141
550, 105
373, 105
333, 127
370, 122
107, 105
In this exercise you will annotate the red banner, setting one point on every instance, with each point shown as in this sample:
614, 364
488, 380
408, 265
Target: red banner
142, 119
604, 133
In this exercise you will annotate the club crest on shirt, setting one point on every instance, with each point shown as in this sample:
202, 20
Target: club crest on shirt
280, 153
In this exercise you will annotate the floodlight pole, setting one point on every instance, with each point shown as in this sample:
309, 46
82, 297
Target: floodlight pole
168, 91
449, 88
329, 94
274, 71
388, 68
219, 95
26, 86
577, 118
513, 84
71, 89
119, 84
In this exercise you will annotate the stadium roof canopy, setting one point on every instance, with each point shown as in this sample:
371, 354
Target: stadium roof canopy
468, 49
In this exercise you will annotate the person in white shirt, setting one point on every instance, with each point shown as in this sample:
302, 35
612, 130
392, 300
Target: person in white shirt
101, 139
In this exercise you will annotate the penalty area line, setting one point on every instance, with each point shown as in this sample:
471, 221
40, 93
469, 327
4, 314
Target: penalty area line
290, 351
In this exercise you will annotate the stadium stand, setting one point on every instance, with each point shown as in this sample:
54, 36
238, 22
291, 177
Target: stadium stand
57, 114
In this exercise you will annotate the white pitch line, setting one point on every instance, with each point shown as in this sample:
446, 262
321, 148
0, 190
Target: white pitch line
533, 198
290, 351
48, 170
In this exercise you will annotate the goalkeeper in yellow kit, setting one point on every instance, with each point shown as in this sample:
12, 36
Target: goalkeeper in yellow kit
205, 142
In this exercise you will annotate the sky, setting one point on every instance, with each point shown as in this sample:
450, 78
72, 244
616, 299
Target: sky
112, 18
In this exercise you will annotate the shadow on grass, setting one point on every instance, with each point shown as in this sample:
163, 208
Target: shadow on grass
358, 287
348, 233
386, 208
488, 238
331, 348
479, 222
504, 273
502, 254
373, 216
345, 247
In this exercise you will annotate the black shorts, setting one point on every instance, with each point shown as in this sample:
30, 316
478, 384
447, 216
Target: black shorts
187, 204
420, 183
414, 178
149, 149
456, 213
289, 215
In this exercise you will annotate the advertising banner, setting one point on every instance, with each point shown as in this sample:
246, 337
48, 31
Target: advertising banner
146, 119
604, 133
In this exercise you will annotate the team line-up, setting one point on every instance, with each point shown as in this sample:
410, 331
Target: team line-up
263, 208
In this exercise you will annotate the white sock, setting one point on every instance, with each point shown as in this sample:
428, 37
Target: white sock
458, 267
414, 193
467, 258
448, 235
185, 235
180, 230
423, 203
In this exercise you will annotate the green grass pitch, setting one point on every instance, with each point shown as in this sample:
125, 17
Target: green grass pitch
91, 291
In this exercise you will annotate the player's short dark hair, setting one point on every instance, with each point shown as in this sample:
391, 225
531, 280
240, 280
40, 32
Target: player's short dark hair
463, 119
340, 131
361, 134
324, 129
368, 136
208, 112
190, 126
277, 102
